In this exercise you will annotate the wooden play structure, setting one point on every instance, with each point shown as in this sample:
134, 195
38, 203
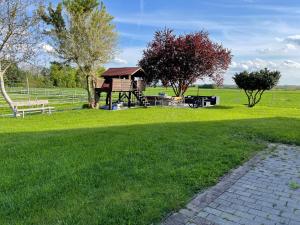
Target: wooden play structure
127, 82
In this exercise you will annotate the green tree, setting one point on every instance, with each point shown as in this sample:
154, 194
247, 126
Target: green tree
63, 75
256, 83
179, 61
37, 81
19, 36
100, 71
14, 75
83, 35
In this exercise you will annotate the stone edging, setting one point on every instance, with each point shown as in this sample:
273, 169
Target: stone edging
204, 198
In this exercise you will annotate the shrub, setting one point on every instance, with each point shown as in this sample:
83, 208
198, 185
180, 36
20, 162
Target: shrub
256, 83
208, 86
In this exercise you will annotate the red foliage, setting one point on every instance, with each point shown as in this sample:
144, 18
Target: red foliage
181, 61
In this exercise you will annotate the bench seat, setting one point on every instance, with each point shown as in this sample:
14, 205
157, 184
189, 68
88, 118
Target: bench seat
34, 106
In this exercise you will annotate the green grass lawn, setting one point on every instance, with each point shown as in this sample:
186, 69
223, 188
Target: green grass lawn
131, 167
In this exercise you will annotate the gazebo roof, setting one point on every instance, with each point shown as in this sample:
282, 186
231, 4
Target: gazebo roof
119, 72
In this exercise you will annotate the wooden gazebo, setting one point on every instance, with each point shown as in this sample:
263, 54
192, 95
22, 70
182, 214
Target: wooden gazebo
127, 81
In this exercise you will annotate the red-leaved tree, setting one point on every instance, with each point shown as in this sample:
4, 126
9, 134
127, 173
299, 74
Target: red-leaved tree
179, 61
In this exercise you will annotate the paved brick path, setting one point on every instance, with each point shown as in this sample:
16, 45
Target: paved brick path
264, 191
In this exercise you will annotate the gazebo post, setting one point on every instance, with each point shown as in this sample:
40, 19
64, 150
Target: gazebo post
129, 99
107, 97
97, 97
110, 100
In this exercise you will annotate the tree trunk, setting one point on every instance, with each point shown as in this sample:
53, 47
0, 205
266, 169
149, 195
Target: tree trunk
255, 98
249, 95
4, 93
91, 91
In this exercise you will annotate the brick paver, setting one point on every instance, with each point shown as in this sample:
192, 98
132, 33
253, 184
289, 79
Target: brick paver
264, 191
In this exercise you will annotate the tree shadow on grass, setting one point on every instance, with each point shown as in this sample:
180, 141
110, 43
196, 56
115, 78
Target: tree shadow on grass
123, 175
220, 107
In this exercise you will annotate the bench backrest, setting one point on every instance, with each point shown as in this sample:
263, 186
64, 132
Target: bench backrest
31, 103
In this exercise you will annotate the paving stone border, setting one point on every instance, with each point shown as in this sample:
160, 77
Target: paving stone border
217, 205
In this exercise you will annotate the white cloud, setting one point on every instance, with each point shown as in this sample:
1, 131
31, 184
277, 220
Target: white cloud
252, 65
256, 43
282, 47
258, 63
160, 21
290, 47
289, 69
281, 50
295, 39
47, 48
127, 57
119, 61
291, 64
265, 50
279, 39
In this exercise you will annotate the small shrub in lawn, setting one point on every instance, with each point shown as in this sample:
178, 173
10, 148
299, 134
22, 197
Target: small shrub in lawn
294, 185
86, 106
256, 83
208, 86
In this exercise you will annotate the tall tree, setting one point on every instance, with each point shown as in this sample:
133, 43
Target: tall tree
63, 75
180, 61
14, 76
83, 35
19, 36
256, 83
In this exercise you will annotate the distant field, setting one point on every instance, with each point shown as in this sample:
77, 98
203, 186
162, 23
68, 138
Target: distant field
274, 98
130, 167
74, 98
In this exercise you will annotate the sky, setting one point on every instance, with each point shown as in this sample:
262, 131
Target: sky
259, 33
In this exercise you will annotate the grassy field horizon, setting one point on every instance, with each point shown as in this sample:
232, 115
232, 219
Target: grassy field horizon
74, 98
132, 167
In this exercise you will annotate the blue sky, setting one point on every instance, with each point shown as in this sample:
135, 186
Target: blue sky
260, 33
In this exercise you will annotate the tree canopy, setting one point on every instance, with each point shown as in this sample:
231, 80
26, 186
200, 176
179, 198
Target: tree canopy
83, 35
256, 83
19, 36
14, 76
179, 61
63, 75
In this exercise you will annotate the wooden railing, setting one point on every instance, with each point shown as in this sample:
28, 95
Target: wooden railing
120, 85
140, 85
98, 82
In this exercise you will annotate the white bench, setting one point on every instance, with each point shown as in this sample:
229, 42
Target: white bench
32, 106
